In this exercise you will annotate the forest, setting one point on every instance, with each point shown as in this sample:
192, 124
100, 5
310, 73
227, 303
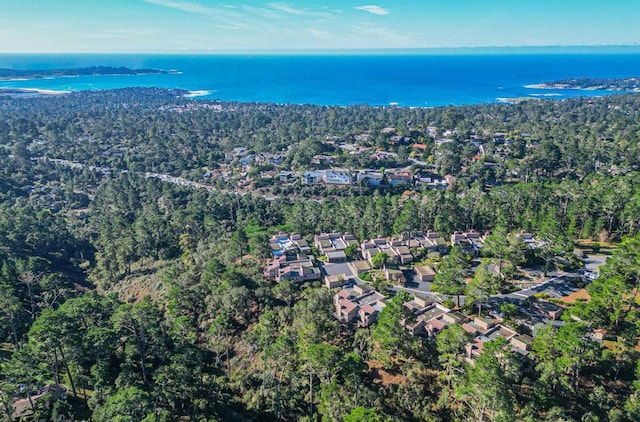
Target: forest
146, 298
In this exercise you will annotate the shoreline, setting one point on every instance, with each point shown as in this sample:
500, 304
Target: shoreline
6, 91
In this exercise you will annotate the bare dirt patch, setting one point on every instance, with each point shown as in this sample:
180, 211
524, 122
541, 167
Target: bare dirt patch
576, 296
382, 376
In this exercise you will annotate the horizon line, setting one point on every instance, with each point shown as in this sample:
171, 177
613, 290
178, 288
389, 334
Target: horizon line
282, 51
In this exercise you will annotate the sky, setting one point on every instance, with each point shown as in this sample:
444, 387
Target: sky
166, 26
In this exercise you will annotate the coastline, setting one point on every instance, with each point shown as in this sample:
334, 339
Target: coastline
402, 81
30, 91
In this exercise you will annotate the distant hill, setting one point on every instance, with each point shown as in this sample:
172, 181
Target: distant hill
80, 71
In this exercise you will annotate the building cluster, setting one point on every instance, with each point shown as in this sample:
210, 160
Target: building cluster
486, 330
342, 259
358, 304
292, 259
371, 177
327, 168
471, 242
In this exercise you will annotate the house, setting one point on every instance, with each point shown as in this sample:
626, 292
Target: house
346, 308
359, 304
332, 245
417, 304
303, 245
359, 267
369, 250
400, 178
294, 267
372, 247
393, 274
431, 180
420, 147
299, 273
529, 240
331, 242
479, 325
337, 177
283, 244
262, 158
50, 393
349, 239
548, 309
431, 318
245, 161
397, 140
471, 242
285, 176
383, 155
431, 241
428, 321
312, 177
402, 252
369, 177
268, 158
269, 174
335, 280
424, 273
520, 344
336, 257
322, 160
484, 323
438, 324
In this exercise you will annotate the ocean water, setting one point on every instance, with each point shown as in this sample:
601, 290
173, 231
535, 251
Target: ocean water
421, 80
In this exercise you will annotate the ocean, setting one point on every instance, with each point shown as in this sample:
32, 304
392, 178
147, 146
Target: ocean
417, 80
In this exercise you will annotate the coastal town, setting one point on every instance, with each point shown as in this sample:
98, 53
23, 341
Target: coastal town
270, 262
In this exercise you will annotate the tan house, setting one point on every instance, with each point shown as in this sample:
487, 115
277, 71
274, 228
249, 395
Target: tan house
335, 280
424, 273
358, 304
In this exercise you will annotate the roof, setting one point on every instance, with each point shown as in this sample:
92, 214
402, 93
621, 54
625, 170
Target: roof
437, 324
336, 254
347, 305
424, 270
368, 309
431, 313
336, 277
361, 265
344, 294
403, 250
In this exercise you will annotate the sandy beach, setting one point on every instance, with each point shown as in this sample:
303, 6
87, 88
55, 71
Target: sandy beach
30, 91
199, 93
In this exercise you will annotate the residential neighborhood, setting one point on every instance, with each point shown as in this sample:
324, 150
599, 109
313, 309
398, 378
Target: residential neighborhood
405, 267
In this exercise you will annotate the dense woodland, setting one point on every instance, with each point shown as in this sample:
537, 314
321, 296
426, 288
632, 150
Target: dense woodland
146, 298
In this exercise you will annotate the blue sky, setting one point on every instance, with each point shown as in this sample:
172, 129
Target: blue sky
218, 26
